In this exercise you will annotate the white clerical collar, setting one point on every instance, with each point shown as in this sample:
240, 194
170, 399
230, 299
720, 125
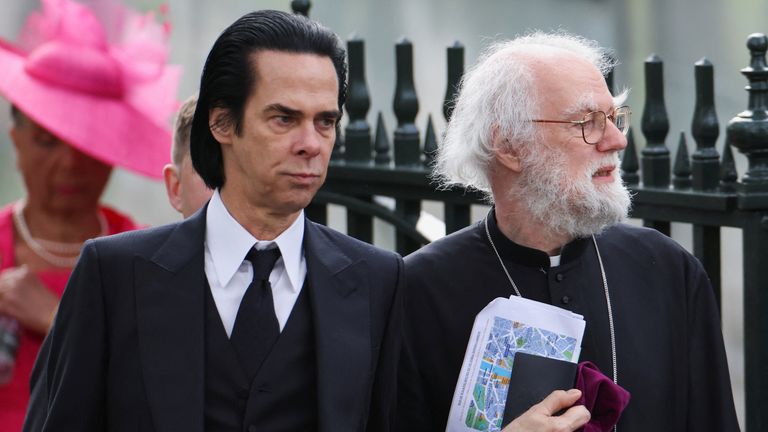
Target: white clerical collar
228, 242
554, 261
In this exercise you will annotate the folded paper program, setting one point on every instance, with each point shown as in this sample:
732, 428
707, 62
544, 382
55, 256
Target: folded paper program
503, 329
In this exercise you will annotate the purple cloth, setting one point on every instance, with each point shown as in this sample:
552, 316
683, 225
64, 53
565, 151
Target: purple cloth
604, 399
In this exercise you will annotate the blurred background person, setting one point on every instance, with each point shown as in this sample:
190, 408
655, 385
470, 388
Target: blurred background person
89, 89
187, 192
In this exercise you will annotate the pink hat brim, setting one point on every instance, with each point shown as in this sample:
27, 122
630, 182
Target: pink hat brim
105, 128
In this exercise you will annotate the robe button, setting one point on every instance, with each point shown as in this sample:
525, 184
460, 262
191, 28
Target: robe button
251, 428
559, 277
565, 300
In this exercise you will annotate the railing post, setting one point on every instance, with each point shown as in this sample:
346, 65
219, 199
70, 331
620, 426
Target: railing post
705, 129
748, 132
655, 126
301, 7
456, 215
406, 106
706, 170
455, 57
749, 129
755, 250
706, 247
407, 146
357, 135
317, 212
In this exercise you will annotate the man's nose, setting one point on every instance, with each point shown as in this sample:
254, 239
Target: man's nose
613, 139
310, 142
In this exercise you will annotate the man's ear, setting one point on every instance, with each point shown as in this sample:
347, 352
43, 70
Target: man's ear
504, 152
221, 125
172, 185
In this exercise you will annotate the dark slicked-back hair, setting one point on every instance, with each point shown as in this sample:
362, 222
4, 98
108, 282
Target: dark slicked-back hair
229, 75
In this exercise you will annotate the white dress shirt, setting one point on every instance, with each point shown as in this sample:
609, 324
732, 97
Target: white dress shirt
228, 274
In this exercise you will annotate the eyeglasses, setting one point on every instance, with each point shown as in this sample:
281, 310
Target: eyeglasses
593, 124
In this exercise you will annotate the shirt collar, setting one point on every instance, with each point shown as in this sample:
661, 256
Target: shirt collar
291, 243
529, 256
228, 243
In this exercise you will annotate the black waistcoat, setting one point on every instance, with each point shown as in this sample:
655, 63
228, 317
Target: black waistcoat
282, 396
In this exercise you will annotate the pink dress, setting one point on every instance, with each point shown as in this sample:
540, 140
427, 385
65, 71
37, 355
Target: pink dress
14, 396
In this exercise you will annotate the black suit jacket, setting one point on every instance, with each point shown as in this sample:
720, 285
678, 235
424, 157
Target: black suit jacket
126, 352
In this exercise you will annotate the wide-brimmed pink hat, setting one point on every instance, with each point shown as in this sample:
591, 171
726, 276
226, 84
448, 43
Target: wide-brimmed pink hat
109, 95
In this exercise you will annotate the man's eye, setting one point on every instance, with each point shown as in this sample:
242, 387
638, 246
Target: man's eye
326, 123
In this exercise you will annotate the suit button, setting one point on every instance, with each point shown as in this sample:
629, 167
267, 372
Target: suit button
243, 393
251, 428
559, 277
565, 300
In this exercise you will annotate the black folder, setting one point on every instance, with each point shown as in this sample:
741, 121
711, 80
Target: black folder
534, 378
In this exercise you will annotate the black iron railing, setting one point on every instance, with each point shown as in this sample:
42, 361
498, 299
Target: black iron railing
702, 189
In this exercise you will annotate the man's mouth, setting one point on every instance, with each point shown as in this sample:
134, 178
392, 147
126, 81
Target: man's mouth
604, 172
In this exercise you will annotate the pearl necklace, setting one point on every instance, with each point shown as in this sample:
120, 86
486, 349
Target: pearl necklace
51, 251
605, 290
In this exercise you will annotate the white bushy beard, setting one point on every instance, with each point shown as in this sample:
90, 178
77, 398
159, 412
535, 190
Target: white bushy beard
576, 207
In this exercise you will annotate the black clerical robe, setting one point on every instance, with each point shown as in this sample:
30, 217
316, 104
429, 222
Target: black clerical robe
670, 353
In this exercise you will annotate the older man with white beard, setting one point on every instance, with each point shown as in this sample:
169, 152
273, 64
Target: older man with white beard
536, 128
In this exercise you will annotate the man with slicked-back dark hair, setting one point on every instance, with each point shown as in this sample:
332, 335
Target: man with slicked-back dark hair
246, 316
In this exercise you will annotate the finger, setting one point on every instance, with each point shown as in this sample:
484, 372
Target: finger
576, 417
558, 400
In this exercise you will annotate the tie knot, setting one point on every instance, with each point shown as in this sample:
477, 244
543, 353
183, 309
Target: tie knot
262, 262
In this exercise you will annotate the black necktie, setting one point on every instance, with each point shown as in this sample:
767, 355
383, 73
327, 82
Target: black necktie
256, 328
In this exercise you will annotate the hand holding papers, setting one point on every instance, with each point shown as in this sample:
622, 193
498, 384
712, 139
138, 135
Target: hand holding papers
501, 330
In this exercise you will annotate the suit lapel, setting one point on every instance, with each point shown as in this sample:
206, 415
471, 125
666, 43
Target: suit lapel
339, 294
170, 306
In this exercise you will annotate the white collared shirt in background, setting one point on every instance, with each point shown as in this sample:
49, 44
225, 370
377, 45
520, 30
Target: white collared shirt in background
228, 274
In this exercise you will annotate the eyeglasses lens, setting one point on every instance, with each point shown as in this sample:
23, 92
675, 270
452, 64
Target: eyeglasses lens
622, 120
593, 126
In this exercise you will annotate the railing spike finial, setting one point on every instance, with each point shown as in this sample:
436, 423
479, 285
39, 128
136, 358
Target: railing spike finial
338, 146
381, 143
357, 134
682, 168
406, 106
746, 131
728, 174
655, 126
430, 143
705, 129
455, 71
629, 164
301, 7
609, 78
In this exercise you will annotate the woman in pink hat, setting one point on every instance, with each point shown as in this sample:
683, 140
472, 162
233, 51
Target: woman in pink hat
82, 101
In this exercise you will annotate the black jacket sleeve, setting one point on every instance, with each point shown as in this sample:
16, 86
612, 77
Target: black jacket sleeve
67, 383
